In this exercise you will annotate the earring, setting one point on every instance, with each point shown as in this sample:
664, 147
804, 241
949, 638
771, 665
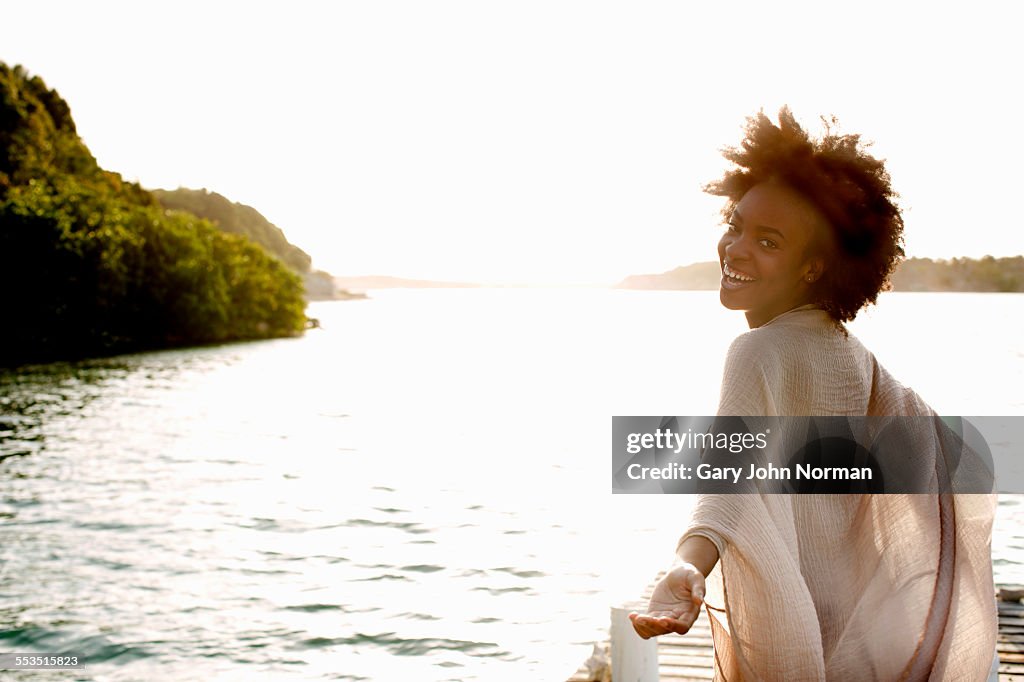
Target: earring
809, 278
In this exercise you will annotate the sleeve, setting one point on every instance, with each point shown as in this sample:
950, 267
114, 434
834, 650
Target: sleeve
702, 530
749, 385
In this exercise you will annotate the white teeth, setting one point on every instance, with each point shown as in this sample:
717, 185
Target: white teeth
735, 275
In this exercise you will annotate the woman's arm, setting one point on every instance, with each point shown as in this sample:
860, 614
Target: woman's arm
750, 373
698, 551
675, 603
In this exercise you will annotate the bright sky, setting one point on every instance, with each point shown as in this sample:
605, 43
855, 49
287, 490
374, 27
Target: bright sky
530, 141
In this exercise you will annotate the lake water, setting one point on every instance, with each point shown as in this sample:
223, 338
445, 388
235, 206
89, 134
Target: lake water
419, 490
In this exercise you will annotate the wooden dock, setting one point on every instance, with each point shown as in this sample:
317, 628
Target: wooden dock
1010, 641
690, 657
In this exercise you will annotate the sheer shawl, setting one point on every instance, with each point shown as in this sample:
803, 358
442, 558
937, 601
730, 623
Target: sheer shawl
841, 587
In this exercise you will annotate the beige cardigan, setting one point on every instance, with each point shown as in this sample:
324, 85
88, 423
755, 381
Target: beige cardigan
841, 587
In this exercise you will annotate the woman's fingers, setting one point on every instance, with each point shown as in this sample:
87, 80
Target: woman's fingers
643, 629
652, 626
680, 625
646, 627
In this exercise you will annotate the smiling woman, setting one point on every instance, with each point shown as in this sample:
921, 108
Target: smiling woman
824, 587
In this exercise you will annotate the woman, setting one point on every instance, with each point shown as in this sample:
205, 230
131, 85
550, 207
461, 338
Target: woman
823, 587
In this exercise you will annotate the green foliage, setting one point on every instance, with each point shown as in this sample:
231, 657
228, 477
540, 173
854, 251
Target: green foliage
92, 264
236, 218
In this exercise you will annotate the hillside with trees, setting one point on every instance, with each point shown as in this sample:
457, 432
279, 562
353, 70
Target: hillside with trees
960, 274
986, 274
236, 218
94, 265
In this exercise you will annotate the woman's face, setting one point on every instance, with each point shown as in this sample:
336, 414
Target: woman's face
766, 265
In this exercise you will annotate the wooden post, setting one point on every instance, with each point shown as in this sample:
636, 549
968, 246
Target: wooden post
634, 659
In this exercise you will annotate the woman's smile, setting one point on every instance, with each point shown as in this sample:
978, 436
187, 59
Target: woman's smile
734, 279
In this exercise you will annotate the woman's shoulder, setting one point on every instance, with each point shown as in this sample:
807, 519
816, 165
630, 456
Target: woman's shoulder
801, 362
790, 336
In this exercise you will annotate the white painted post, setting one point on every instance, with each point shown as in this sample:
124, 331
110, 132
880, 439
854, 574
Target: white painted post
634, 659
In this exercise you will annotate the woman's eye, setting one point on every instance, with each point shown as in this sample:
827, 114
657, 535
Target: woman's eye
729, 227
768, 244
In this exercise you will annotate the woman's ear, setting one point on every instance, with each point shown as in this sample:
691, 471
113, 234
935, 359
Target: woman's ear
814, 269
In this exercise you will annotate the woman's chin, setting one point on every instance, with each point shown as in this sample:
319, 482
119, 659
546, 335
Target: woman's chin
729, 299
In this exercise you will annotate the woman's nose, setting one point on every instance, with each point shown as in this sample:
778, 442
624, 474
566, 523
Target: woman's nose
736, 247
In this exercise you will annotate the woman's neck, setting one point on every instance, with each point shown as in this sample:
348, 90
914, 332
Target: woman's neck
756, 322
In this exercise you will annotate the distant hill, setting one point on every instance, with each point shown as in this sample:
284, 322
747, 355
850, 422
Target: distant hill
960, 274
93, 265
914, 274
698, 276
364, 282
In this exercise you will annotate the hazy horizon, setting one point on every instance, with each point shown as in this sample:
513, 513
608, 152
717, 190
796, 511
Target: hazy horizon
536, 143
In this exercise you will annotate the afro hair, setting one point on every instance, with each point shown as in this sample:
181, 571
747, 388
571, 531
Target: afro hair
850, 187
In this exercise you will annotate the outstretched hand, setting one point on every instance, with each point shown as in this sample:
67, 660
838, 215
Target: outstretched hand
675, 603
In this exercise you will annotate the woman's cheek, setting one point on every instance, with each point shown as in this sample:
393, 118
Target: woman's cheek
723, 243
